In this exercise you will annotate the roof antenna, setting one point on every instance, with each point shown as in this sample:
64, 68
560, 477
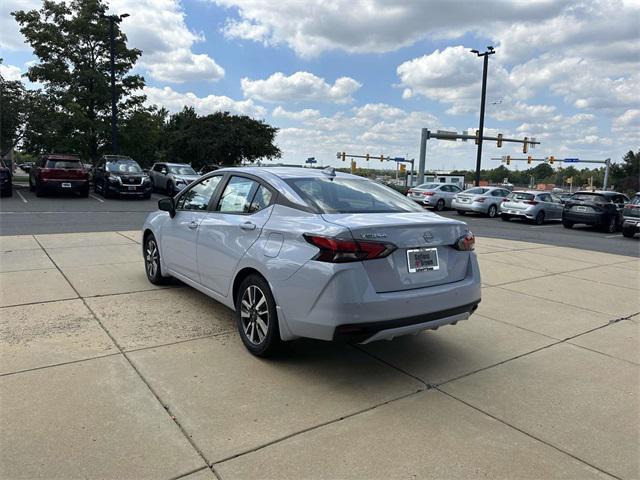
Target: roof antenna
329, 171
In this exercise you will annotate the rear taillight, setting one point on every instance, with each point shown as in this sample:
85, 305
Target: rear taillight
427, 194
336, 250
479, 199
505, 199
466, 243
530, 202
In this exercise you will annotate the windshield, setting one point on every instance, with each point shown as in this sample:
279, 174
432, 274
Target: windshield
66, 164
477, 191
589, 197
428, 186
520, 196
182, 170
349, 195
127, 166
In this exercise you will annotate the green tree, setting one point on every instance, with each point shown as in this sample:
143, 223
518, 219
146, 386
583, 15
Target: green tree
219, 138
626, 176
142, 135
71, 41
13, 112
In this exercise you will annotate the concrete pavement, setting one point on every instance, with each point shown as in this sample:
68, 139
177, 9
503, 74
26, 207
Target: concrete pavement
103, 375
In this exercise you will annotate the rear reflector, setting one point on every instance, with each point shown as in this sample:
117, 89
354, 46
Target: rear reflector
531, 202
336, 250
466, 243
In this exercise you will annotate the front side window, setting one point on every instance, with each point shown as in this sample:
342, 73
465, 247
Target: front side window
349, 195
199, 195
477, 191
237, 195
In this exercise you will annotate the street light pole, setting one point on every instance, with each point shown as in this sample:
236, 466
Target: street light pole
485, 55
114, 96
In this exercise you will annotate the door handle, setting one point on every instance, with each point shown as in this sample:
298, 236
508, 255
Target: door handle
192, 225
248, 226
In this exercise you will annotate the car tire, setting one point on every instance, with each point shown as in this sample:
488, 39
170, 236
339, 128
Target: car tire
254, 305
152, 267
567, 224
39, 191
539, 220
440, 205
104, 190
492, 212
505, 218
628, 232
461, 212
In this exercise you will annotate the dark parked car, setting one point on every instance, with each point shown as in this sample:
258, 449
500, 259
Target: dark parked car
26, 166
599, 209
117, 175
631, 217
59, 173
6, 189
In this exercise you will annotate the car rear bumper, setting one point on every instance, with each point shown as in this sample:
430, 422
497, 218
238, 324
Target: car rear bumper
64, 185
585, 218
330, 302
470, 207
631, 223
529, 214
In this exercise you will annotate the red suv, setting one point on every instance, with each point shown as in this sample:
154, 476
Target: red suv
59, 173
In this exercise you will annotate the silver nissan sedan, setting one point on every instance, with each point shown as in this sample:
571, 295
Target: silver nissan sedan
300, 252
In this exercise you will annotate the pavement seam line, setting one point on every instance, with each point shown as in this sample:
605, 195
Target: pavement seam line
504, 422
191, 472
319, 425
133, 366
70, 362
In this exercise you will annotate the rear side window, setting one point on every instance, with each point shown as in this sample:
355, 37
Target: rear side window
261, 199
65, 164
237, 195
590, 197
350, 195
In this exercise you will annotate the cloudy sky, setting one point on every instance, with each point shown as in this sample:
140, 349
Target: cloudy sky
364, 76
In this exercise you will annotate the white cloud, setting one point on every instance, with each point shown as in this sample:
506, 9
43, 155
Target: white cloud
176, 101
158, 28
300, 87
11, 38
10, 72
306, 114
363, 26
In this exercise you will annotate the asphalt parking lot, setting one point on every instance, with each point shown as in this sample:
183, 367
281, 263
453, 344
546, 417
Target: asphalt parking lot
104, 375
24, 213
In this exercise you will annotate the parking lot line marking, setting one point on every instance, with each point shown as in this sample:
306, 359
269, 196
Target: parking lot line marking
96, 198
612, 236
22, 197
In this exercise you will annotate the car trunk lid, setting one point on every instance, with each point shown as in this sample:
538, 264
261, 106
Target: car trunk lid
408, 232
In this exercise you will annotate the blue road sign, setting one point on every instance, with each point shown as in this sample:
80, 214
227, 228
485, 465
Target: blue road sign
311, 160
571, 160
399, 159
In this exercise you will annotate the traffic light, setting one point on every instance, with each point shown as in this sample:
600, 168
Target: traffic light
344, 156
529, 159
499, 140
382, 158
552, 159
403, 168
477, 137
367, 157
525, 145
508, 159
353, 166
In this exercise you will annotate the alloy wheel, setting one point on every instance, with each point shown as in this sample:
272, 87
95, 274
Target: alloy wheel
493, 211
254, 314
151, 258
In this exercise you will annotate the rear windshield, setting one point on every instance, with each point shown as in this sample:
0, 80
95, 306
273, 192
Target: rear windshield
477, 191
428, 186
66, 164
518, 196
182, 170
348, 195
589, 197
126, 166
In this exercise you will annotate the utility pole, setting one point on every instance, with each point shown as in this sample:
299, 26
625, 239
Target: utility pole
485, 55
113, 19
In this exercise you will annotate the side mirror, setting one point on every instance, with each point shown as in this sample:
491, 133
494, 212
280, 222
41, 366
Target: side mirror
163, 171
167, 205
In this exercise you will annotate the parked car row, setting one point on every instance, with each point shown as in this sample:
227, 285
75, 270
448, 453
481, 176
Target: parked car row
609, 211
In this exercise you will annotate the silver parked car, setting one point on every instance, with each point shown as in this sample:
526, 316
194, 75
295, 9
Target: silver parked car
171, 177
436, 195
309, 253
484, 200
531, 205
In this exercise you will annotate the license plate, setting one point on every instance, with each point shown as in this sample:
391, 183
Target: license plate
132, 188
581, 209
422, 259
66, 185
